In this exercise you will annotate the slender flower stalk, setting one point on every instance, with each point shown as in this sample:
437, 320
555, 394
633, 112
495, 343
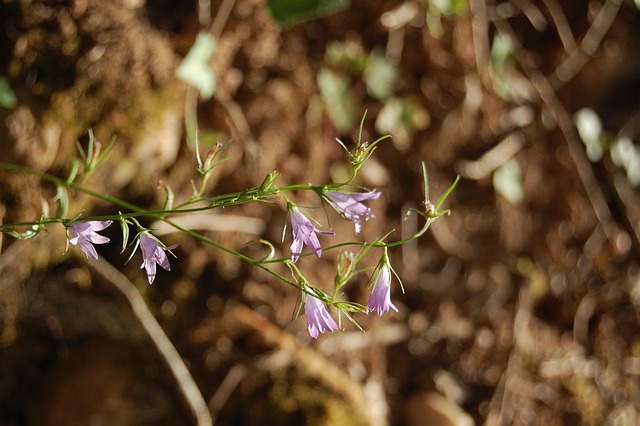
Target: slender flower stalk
318, 317
380, 299
84, 235
153, 252
304, 233
350, 205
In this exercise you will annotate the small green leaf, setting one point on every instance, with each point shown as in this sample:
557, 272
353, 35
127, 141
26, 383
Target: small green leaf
135, 248
379, 75
272, 250
345, 308
32, 232
124, 225
62, 197
268, 182
168, 202
290, 12
446, 194
73, 170
8, 97
346, 55
501, 57
402, 117
507, 181
501, 51
339, 102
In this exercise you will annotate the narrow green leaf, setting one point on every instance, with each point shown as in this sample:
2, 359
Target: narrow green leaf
444, 196
290, 12
32, 232
73, 170
62, 197
168, 202
124, 225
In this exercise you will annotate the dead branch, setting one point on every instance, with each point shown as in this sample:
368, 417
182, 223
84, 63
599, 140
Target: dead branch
167, 351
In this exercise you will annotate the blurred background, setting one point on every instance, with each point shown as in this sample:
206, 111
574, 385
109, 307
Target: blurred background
521, 307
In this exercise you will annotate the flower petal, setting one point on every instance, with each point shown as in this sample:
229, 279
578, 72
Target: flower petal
318, 318
83, 234
304, 233
88, 249
153, 253
350, 205
296, 249
380, 300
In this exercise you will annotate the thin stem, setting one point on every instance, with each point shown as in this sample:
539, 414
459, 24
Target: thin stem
256, 193
257, 263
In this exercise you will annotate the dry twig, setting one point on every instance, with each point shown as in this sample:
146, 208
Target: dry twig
184, 380
311, 361
589, 45
562, 118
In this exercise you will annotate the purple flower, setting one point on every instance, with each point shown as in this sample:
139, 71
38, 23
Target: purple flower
153, 252
304, 233
318, 317
350, 205
380, 299
83, 234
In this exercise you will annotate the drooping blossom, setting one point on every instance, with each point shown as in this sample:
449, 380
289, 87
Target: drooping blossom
318, 317
380, 299
84, 235
153, 252
304, 233
350, 205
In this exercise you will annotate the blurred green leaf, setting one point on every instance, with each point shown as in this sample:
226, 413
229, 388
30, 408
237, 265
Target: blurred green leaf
438, 8
452, 8
347, 55
402, 117
501, 51
590, 130
8, 98
379, 75
501, 58
195, 69
507, 181
206, 139
290, 12
627, 155
340, 103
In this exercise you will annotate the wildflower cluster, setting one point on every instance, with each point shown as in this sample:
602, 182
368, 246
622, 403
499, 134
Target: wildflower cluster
348, 201
84, 235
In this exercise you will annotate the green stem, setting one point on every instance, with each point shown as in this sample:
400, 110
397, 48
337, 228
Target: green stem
139, 211
253, 262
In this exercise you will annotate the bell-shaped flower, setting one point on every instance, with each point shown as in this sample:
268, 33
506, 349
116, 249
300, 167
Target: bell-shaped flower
318, 317
153, 252
380, 299
350, 205
84, 235
304, 233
